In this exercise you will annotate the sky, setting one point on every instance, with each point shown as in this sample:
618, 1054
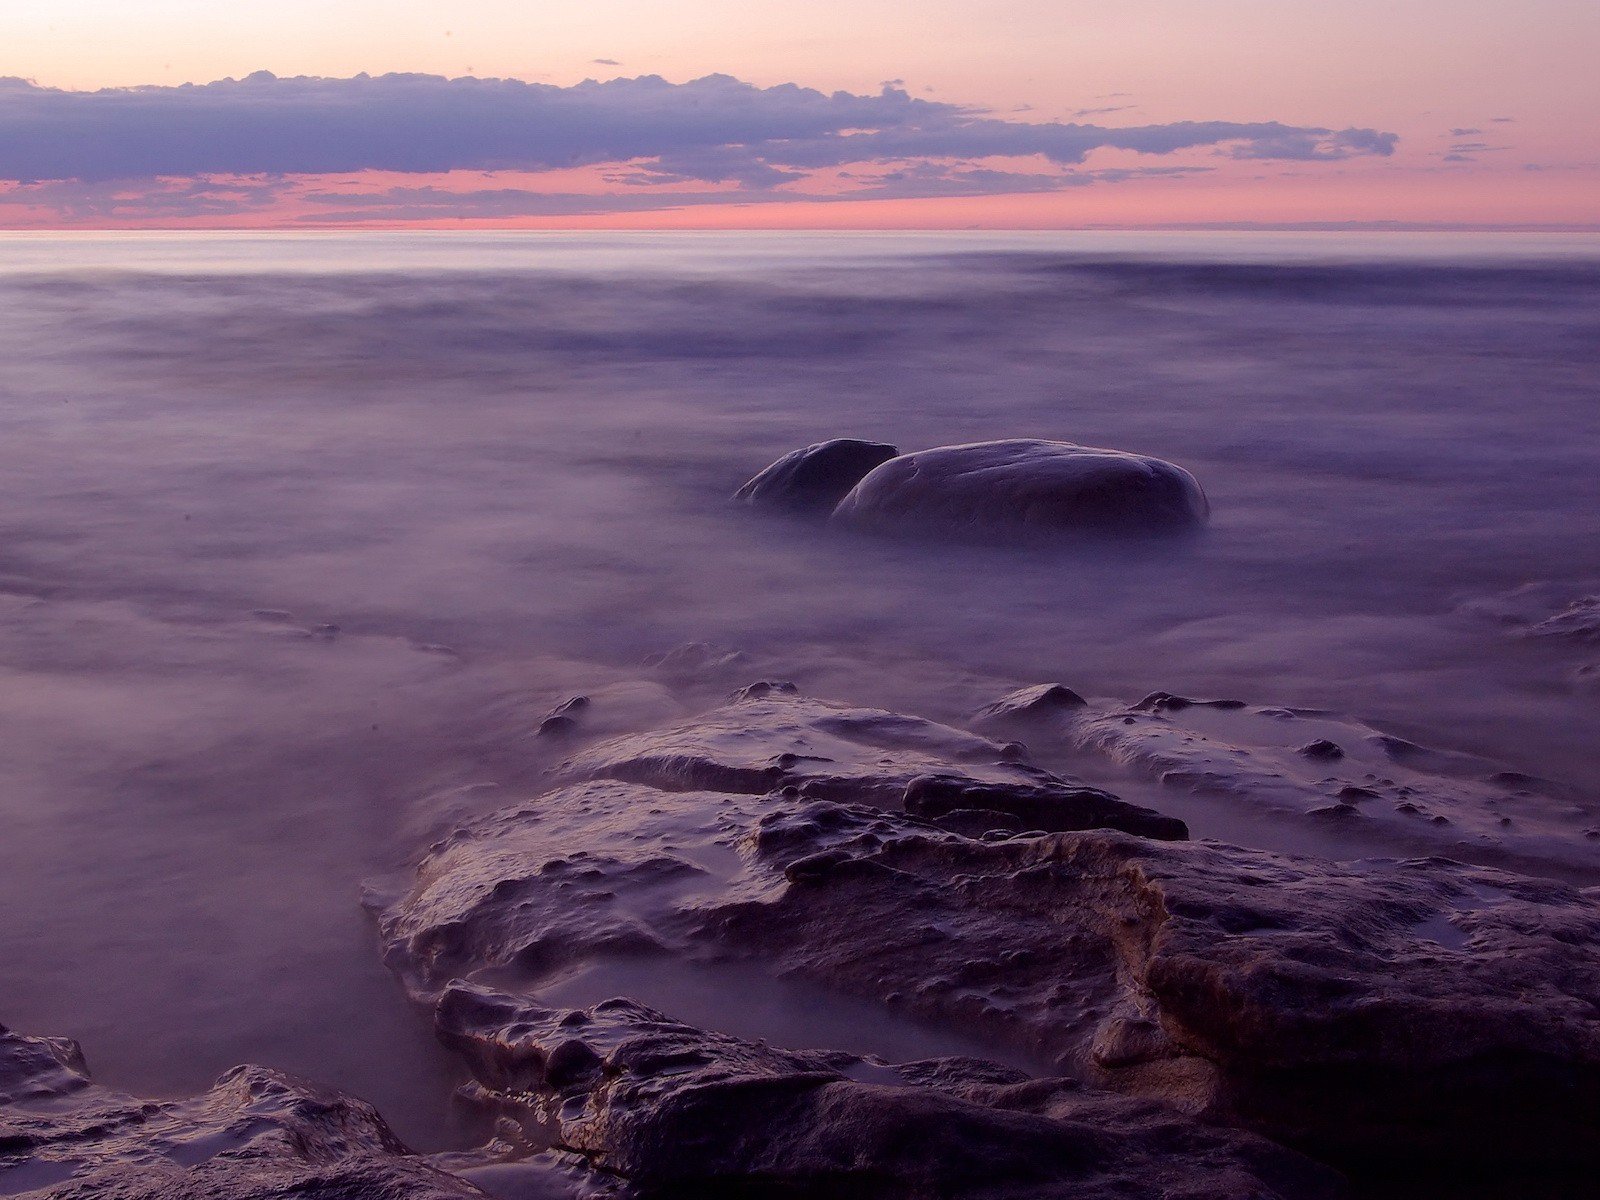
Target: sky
799, 114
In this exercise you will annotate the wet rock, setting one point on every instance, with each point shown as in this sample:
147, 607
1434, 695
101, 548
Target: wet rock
1426, 1009
1029, 704
1312, 1001
979, 823
1052, 807
815, 479
815, 868
1024, 487
763, 688
257, 1134
1282, 763
1323, 750
1354, 792
1421, 1009
682, 1111
1341, 811
592, 870
1167, 702
828, 750
563, 718
1579, 621
1550, 611
605, 711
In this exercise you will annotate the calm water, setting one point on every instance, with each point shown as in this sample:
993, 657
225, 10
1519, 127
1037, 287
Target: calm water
519, 447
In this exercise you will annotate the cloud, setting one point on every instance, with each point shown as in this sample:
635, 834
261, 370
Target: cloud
919, 182
179, 199
1100, 112
656, 139
429, 123
605, 62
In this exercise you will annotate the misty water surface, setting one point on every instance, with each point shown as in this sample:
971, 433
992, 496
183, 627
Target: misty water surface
500, 466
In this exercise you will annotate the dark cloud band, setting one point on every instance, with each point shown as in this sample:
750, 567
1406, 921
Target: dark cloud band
715, 130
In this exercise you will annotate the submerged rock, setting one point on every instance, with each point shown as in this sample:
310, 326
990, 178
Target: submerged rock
257, 1134
682, 1111
1564, 611
695, 661
1025, 487
815, 479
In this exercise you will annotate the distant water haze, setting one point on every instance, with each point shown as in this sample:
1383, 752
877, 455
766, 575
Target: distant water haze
500, 466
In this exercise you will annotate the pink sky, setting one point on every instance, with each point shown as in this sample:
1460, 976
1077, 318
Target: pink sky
1495, 110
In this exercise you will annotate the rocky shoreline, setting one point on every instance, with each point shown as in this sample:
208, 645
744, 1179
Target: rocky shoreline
1199, 1019
1050, 990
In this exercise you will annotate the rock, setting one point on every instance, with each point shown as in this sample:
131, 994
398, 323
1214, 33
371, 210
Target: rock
763, 688
563, 718
1284, 762
1421, 1010
1024, 487
760, 744
1167, 702
1337, 812
598, 869
1053, 807
1029, 704
257, 1134
677, 1110
1567, 611
1425, 1011
608, 710
1323, 750
1577, 622
1359, 1011
815, 479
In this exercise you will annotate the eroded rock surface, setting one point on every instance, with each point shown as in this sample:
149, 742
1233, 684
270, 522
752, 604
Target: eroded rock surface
602, 868
257, 1134
1025, 486
681, 1111
1365, 1010
769, 739
1319, 764
814, 479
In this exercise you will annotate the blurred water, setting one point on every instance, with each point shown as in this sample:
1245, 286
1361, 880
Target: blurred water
521, 446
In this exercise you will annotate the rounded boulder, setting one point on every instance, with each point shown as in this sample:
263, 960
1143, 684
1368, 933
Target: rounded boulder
815, 479
1025, 487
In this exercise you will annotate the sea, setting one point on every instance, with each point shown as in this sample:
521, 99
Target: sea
302, 534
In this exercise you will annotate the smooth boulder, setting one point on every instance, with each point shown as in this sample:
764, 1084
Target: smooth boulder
1024, 486
816, 478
